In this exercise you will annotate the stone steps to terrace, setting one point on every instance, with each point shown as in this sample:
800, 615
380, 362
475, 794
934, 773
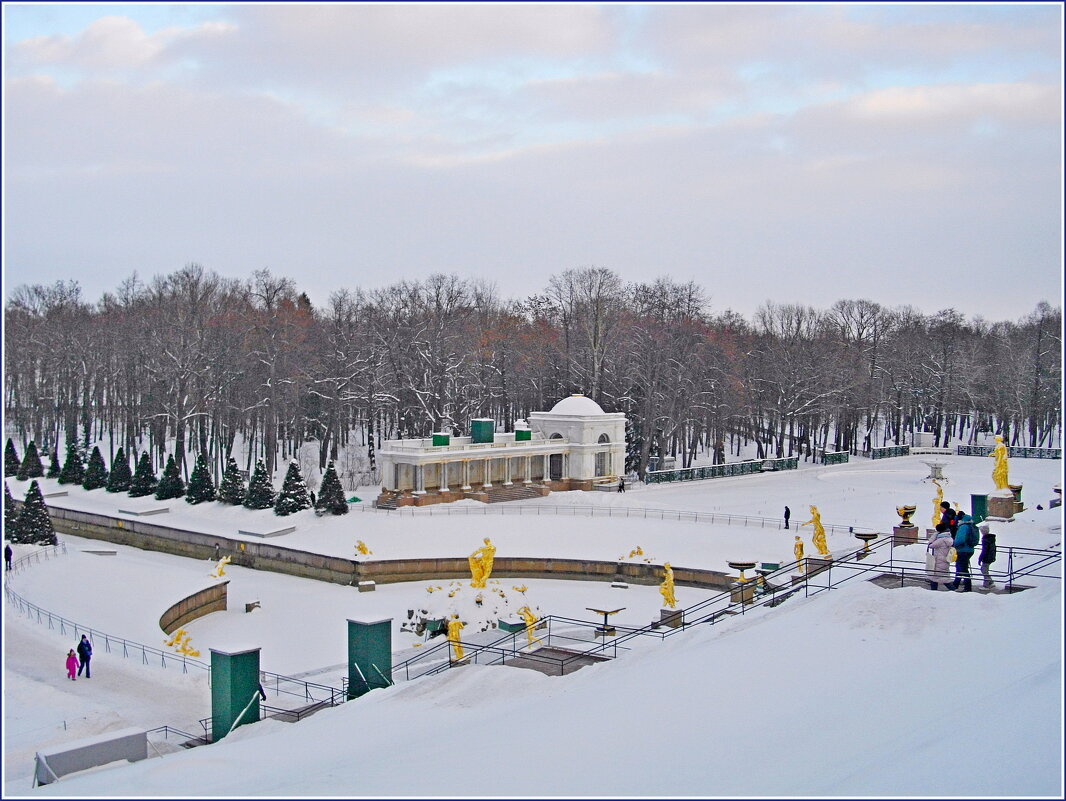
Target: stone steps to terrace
517, 492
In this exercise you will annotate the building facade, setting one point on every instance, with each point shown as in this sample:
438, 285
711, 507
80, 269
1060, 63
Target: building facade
575, 446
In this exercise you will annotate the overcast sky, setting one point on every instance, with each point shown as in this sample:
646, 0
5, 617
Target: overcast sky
909, 154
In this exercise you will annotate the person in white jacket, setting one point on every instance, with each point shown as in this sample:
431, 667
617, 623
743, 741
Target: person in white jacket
939, 547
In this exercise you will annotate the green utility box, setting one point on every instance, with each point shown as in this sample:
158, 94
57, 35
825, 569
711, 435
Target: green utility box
482, 430
978, 508
441, 438
522, 435
369, 655
234, 690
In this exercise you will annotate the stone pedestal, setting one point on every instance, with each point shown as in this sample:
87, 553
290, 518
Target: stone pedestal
1017, 490
671, 617
742, 592
816, 564
904, 535
1001, 507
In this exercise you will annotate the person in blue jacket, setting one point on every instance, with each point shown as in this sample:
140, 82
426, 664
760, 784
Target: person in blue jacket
966, 540
85, 653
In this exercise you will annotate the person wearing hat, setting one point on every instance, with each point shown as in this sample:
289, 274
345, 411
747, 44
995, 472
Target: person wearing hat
988, 554
939, 547
965, 540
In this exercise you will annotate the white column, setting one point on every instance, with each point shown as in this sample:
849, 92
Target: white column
529, 470
488, 473
466, 475
507, 472
444, 477
419, 481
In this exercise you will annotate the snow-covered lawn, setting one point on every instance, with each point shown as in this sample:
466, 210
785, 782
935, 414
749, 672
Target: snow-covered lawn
860, 691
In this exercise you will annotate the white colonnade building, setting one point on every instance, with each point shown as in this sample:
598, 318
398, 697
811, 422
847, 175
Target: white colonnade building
575, 446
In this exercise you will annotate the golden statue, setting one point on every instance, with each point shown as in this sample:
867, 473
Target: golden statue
797, 549
999, 472
455, 625
667, 587
819, 532
481, 563
361, 549
521, 589
186, 648
176, 638
905, 512
937, 511
531, 620
220, 567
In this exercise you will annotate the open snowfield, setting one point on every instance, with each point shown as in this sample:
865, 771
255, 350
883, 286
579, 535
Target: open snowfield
861, 691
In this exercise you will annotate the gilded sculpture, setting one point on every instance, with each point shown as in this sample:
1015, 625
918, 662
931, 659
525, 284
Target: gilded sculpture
999, 472
481, 564
667, 587
819, 531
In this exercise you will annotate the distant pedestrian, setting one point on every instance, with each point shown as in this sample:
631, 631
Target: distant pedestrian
939, 547
218, 552
988, 555
313, 501
947, 518
621, 485
72, 665
788, 514
7, 557
85, 653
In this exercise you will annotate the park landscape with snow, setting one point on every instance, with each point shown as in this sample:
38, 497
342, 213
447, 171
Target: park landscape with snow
862, 690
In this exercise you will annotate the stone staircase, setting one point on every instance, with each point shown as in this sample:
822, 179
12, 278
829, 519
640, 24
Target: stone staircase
387, 499
517, 492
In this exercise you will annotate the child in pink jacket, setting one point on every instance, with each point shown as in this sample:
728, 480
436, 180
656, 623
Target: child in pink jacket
72, 665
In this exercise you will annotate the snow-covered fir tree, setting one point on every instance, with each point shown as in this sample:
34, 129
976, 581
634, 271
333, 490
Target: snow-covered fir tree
201, 487
260, 493
34, 524
73, 471
12, 463
331, 493
31, 466
95, 471
294, 495
144, 479
171, 484
231, 488
53, 466
118, 480
11, 516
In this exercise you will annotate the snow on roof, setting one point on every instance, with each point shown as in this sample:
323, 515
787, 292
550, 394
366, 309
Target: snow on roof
577, 405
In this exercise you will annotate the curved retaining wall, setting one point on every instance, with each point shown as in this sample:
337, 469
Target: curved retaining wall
213, 599
278, 559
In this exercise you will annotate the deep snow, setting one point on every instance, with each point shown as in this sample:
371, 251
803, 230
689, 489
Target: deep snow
860, 691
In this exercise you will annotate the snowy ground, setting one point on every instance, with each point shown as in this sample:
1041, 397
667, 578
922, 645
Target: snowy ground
860, 691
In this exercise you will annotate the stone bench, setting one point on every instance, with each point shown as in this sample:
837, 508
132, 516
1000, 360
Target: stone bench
264, 534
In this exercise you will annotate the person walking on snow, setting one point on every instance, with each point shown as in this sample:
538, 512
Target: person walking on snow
85, 653
621, 484
72, 665
965, 541
788, 514
8, 553
939, 547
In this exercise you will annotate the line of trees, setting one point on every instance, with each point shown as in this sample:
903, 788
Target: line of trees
190, 363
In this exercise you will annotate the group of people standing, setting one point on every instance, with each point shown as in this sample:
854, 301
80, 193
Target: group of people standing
80, 662
957, 531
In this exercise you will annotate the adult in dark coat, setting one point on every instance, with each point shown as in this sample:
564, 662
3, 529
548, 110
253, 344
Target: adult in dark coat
965, 552
988, 554
947, 518
8, 553
85, 653
788, 514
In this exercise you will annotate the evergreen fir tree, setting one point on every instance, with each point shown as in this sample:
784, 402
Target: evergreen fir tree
73, 471
144, 480
260, 493
231, 488
11, 516
331, 493
96, 472
119, 478
171, 484
294, 495
31, 466
34, 524
201, 487
53, 467
12, 463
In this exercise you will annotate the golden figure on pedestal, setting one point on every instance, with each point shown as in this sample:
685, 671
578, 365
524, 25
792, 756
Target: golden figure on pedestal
819, 531
937, 510
667, 587
361, 549
797, 549
455, 625
999, 472
220, 568
481, 563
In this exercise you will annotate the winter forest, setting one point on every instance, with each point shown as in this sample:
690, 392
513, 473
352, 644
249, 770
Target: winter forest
192, 364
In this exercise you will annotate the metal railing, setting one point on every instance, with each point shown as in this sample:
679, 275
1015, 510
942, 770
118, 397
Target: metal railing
700, 473
1013, 451
636, 512
890, 451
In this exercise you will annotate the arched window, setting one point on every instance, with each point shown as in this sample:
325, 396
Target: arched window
556, 435
604, 438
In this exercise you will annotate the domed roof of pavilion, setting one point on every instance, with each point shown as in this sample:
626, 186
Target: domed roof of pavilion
577, 405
